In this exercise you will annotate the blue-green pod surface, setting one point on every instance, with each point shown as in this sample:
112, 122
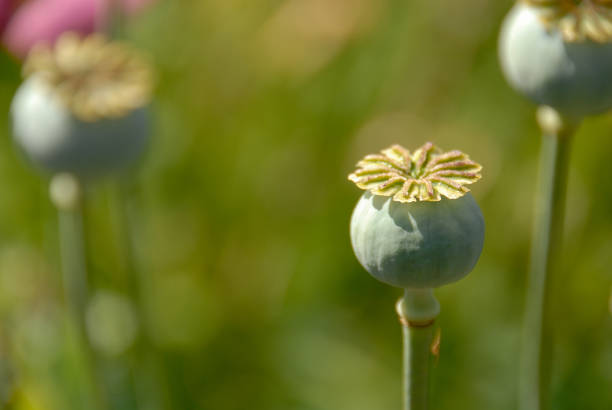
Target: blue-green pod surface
571, 76
55, 140
417, 244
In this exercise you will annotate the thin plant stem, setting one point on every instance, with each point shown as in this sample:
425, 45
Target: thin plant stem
538, 347
116, 27
151, 391
74, 278
65, 194
417, 366
417, 312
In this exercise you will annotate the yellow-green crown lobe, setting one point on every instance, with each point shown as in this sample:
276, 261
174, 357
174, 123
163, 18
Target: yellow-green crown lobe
94, 77
427, 174
578, 20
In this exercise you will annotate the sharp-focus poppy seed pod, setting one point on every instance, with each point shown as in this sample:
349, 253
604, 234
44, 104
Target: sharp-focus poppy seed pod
83, 107
418, 244
417, 227
558, 54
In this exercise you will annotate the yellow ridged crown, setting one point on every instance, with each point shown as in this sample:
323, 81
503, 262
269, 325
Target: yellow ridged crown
94, 77
427, 174
578, 20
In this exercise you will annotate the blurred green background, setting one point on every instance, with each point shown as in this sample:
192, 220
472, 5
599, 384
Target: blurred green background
250, 296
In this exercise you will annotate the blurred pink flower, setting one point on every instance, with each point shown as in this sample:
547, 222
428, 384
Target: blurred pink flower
45, 20
6, 9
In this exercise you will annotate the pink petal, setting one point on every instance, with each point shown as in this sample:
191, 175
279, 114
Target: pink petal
7, 7
45, 20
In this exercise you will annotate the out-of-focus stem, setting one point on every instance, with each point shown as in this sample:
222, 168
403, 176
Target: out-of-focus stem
73, 263
148, 374
116, 17
541, 302
417, 312
65, 192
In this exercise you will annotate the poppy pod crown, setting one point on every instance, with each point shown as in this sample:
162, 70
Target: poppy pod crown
94, 78
578, 20
428, 174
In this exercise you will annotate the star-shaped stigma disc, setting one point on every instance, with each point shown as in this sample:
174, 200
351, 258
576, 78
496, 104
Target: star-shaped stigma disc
425, 175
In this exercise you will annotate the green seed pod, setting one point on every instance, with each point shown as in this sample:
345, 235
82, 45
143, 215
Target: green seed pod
558, 53
417, 227
82, 108
54, 139
417, 244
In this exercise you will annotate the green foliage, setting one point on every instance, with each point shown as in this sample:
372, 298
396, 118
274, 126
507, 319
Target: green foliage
250, 295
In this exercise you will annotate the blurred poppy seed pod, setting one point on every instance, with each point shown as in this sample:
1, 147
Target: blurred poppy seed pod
558, 53
417, 226
83, 107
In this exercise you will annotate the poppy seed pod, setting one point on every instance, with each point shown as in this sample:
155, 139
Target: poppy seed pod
82, 108
417, 244
417, 226
59, 141
558, 54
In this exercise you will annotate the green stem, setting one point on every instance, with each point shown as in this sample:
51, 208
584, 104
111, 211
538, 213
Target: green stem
417, 311
417, 364
536, 360
117, 20
65, 193
148, 374
73, 261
